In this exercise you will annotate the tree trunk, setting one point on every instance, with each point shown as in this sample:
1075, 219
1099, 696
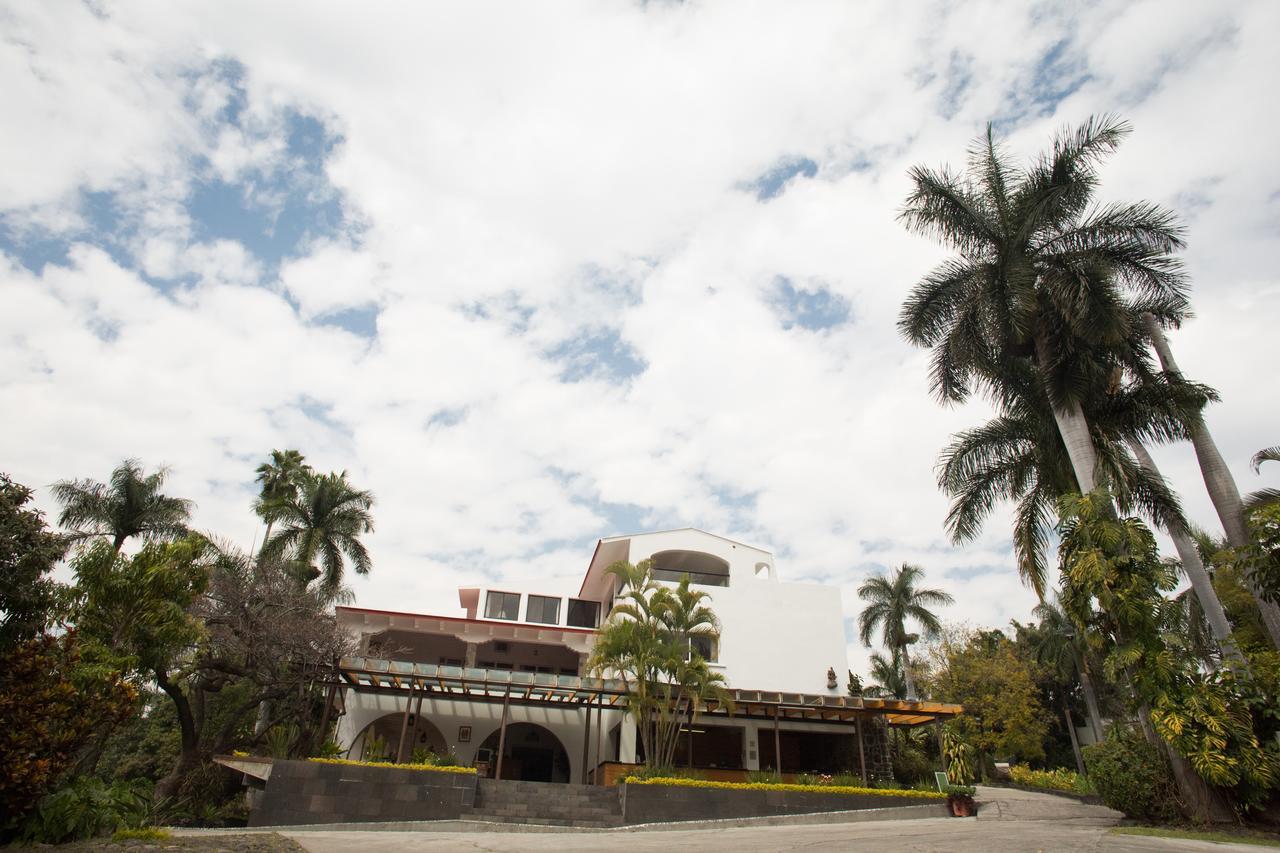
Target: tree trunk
189, 752
1075, 741
1074, 430
1200, 581
1091, 701
1218, 480
908, 681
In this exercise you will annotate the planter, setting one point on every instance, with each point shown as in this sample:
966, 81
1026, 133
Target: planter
961, 806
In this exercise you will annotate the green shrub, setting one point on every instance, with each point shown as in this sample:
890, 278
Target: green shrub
1132, 777
763, 776
87, 808
910, 766
647, 772
147, 833
960, 791
848, 780
1060, 779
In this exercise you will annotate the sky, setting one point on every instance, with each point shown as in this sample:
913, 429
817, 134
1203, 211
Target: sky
536, 274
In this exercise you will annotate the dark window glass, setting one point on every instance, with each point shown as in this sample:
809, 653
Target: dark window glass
704, 645
543, 609
583, 614
502, 605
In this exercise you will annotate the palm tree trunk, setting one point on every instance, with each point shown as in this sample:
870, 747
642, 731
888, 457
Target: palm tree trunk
908, 681
1071, 731
1222, 488
1091, 702
1200, 581
1074, 429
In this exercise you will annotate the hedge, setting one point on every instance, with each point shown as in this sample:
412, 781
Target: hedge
436, 767
783, 786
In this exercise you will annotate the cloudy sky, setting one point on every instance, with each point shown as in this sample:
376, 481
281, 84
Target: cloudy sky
540, 273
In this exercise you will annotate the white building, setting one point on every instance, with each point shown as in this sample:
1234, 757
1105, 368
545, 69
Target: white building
509, 670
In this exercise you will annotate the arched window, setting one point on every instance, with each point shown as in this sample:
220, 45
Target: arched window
704, 569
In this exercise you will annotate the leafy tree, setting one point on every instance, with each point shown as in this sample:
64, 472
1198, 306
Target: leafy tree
280, 478
28, 553
1002, 711
647, 643
130, 505
891, 603
52, 699
321, 524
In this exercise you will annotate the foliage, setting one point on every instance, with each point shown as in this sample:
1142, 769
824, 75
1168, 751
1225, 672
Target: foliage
88, 808
911, 765
763, 776
888, 677
280, 480
1131, 776
53, 694
781, 786
1259, 561
1002, 712
960, 755
959, 791
146, 745
129, 505
1263, 497
646, 643
422, 755
891, 602
1059, 779
147, 833
28, 552
320, 525
442, 768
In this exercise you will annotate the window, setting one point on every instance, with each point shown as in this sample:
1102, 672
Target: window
702, 569
705, 645
543, 609
502, 605
583, 614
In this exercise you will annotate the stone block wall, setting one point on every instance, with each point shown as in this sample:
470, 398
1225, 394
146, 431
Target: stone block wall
304, 792
659, 803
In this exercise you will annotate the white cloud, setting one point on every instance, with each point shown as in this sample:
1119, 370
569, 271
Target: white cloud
524, 176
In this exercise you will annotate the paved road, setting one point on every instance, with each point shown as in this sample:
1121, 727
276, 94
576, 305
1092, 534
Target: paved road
1008, 821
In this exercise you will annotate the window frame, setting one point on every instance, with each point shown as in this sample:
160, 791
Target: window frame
489, 597
712, 639
589, 601
542, 600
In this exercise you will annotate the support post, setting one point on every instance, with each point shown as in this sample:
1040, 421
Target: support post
417, 718
404, 724
942, 752
502, 733
777, 746
599, 732
586, 744
862, 753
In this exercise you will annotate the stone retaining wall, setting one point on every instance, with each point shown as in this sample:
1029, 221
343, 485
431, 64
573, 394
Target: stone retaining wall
306, 792
661, 803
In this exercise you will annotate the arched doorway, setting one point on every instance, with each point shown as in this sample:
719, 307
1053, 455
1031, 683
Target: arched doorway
381, 738
531, 754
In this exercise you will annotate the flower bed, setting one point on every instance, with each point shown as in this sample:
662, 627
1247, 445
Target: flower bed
784, 786
1061, 779
438, 768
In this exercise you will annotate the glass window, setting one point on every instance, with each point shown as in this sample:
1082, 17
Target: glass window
502, 605
583, 614
543, 609
704, 645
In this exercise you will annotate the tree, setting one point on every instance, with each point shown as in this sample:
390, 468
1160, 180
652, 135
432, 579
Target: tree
130, 505
891, 602
28, 553
886, 676
1040, 272
647, 642
323, 523
1263, 497
280, 478
1060, 649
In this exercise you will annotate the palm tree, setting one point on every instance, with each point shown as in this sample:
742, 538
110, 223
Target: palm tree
891, 602
280, 479
1263, 497
1060, 647
1040, 273
130, 505
886, 675
322, 524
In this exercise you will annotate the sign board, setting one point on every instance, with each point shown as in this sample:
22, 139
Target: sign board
943, 782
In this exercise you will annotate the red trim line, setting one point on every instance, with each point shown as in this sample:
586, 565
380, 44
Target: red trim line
537, 625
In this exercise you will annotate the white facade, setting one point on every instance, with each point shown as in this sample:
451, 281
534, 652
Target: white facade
774, 636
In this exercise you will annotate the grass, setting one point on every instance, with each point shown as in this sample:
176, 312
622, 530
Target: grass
149, 833
1240, 836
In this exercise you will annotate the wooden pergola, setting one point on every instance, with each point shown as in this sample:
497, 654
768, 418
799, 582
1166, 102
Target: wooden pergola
419, 680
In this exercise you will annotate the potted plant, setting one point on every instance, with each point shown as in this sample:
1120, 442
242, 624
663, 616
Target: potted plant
960, 800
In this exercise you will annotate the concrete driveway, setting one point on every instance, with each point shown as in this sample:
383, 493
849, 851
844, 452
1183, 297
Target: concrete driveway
1007, 821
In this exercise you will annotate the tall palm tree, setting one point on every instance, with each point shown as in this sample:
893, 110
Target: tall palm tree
131, 504
1041, 272
1062, 648
320, 529
280, 478
891, 602
886, 676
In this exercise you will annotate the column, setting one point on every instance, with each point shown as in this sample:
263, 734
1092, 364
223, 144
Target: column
627, 741
470, 657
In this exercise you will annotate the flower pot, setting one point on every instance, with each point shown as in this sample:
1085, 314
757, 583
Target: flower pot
960, 806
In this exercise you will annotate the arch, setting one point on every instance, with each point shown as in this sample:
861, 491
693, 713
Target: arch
380, 739
532, 753
701, 567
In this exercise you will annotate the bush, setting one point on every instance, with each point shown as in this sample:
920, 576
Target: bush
1060, 779
149, 833
763, 776
1132, 777
88, 808
911, 766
